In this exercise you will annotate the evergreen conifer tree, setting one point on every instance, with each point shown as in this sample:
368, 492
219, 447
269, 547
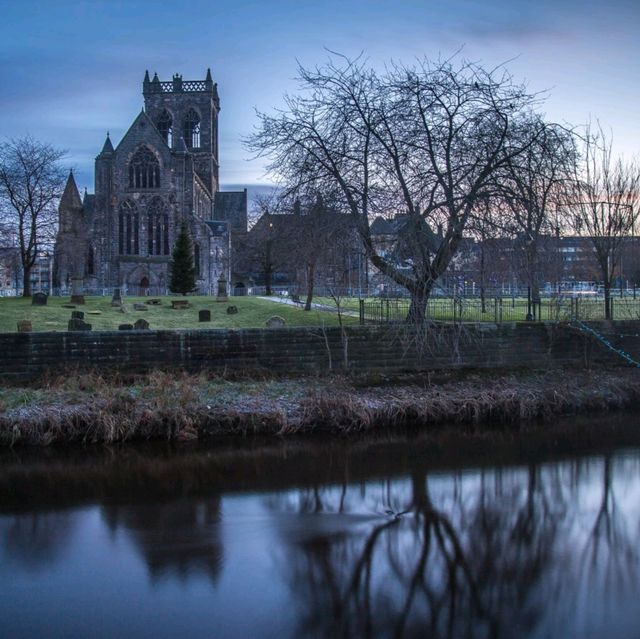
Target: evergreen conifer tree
182, 266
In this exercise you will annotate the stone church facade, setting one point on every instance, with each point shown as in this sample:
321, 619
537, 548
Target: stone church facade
163, 172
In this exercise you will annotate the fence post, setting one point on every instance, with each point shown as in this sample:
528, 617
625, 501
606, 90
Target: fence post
361, 311
387, 310
611, 304
495, 310
501, 310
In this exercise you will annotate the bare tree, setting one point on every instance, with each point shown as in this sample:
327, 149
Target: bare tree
31, 182
533, 185
263, 249
320, 244
603, 204
426, 140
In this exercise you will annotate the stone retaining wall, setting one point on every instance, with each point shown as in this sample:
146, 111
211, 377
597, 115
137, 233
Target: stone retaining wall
27, 356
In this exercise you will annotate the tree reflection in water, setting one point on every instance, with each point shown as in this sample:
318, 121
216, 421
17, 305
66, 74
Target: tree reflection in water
501, 553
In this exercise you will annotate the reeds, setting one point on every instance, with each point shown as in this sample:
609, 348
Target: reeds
92, 409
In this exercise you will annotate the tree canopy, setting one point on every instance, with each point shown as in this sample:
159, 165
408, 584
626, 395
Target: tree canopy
426, 140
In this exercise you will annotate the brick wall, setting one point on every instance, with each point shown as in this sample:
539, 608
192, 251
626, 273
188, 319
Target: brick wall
25, 356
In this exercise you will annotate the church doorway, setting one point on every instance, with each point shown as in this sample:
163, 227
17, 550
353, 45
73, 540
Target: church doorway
144, 286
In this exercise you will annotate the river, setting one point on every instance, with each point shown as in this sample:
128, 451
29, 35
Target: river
522, 535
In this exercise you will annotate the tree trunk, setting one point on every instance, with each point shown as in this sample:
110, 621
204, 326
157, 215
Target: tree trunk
26, 281
310, 278
483, 303
268, 276
607, 299
268, 269
418, 308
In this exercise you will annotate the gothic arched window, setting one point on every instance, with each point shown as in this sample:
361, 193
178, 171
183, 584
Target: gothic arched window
128, 229
144, 170
157, 228
192, 129
164, 125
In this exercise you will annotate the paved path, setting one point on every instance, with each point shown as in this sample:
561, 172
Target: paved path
318, 307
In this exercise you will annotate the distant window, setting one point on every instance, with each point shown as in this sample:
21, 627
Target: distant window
164, 125
192, 129
144, 170
157, 228
128, 229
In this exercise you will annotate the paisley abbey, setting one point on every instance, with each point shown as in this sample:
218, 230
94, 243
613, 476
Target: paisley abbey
162, 173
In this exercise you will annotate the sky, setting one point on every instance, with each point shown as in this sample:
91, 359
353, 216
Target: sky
72, 70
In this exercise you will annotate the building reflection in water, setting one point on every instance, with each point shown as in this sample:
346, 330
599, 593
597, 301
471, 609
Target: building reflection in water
177, 538
36, 541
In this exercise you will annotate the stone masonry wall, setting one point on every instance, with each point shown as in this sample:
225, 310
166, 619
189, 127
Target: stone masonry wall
27, 356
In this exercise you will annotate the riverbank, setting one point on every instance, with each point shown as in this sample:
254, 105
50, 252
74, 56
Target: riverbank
90, 409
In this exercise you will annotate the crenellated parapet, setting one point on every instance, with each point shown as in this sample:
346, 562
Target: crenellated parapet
178, 85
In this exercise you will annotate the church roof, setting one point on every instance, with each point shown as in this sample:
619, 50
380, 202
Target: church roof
146, 120
231, 206
70, 197
108, 147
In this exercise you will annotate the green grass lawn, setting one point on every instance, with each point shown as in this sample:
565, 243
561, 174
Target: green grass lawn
507, 310
252, 313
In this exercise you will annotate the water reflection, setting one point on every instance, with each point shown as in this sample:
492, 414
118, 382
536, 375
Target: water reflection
399, 548
35, 541
176, 539
491, 554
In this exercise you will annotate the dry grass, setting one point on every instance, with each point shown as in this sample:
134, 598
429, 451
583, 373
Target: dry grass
92, 409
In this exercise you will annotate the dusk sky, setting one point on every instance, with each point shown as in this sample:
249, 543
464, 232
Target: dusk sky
72, 70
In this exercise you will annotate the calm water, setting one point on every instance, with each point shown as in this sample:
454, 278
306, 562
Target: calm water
368, 539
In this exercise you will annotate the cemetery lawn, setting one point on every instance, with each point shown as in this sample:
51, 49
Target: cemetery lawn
252, 313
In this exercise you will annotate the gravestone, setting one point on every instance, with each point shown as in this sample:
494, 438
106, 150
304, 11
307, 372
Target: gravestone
39, 299
154, 302
180, 304
275, 322
77, 294
68, 306
137, 306
125, 327
78, 325
204, 315
116, 300
77, 315
232, 310
222, 290
141, 325
24, 326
